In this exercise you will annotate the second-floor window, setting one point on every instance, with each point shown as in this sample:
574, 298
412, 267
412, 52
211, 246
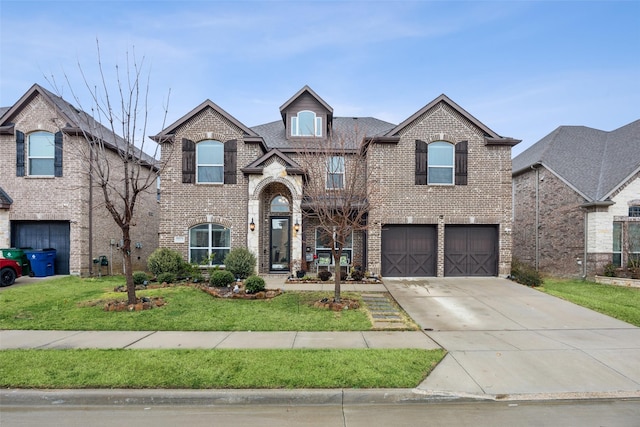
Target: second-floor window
210, 160
335, 172
41, 154
440, 164
306, 123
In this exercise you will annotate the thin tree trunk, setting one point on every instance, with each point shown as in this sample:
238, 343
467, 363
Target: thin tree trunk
126, 254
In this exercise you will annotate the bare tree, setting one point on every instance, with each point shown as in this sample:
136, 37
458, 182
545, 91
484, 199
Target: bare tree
114, 156
338, 191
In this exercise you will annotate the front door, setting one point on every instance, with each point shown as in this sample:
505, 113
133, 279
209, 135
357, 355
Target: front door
280, 248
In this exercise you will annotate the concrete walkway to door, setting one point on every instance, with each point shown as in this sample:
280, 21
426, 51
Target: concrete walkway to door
507, 340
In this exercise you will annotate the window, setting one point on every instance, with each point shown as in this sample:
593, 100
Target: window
634, 243
306, 123
634, 211
41, 154
323, 248
206, 240
335, 172
617, 244
440, 167
280, 204
210, 161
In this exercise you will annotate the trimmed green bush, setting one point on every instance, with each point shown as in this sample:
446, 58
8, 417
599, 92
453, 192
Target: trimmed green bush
166, 277
240, 262
357, 275
324, 275
221, 278
165, 260
139, 277
525, 274
610, 270
254, 284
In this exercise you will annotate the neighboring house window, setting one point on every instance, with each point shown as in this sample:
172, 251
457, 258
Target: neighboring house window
617, 244
280, 204
335, 172
323, 248
634, 243
207, 240
441, 163
306, 123
209, 161
634, 211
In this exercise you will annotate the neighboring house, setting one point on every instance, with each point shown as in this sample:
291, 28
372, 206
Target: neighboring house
444, 205
577, 200
47, 199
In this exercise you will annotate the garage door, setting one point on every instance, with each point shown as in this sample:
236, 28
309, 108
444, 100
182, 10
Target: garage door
471, 251
409, 251
43, 235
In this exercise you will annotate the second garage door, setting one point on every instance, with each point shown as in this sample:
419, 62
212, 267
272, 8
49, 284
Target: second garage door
471, 251
409, 250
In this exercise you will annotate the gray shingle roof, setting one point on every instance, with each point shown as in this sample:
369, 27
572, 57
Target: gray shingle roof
5, 200
275, 137
593, 161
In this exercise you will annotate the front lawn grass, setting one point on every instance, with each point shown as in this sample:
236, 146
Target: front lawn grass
64, 304
205, 369
616, 301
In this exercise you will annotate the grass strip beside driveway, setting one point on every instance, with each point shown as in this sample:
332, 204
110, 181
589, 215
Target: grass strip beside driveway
213, 369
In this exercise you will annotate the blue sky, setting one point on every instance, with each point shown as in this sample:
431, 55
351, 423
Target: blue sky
522, 68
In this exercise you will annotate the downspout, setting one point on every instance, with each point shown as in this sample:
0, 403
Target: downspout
90, 213
537, 222
586, 240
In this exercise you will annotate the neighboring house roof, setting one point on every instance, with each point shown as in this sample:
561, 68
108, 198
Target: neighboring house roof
274, 133
5, 200
77, 122
594, 162
3, 110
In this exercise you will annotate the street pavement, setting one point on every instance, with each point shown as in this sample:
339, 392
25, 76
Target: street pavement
505, 342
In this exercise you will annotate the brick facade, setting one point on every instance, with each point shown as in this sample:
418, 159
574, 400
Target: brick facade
67, 198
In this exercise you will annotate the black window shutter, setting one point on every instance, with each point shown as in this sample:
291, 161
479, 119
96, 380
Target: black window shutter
19, 153
230, 161
461, 163
57, 159
421, 162
188, 161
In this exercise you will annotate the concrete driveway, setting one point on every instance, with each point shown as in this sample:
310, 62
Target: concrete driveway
507, 340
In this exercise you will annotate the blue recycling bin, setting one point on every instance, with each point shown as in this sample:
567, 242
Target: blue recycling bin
42, 261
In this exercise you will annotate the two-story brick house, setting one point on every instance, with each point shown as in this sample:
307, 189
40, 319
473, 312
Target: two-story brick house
443, 209
47, 197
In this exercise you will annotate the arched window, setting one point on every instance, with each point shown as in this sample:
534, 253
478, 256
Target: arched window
441, 167
280, 204
41, 154
306, 123
210, 161
206, 240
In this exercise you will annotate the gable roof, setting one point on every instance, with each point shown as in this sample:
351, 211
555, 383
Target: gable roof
299, 93
168, 133
77, 122
258, 165
5, 200
491, 138
274, 133
594, 162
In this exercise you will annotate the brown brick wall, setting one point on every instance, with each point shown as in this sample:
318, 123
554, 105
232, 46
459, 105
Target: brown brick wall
560, 224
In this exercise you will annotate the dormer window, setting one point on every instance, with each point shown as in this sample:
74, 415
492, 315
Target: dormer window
306, 123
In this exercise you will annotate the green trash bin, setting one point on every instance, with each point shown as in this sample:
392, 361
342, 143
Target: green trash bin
19, 256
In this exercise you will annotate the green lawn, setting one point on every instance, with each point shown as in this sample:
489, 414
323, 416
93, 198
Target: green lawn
616, 301
203, 369
71, 303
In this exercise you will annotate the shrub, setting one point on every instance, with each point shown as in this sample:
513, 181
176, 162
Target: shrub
166, 277
139, 277
324, 275
221, 278
164, 260
240, 262
357, 275
610, 270
525, 274
254, 284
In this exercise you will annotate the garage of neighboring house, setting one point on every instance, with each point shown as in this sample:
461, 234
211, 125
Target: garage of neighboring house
409, 250
44, 235
471, 250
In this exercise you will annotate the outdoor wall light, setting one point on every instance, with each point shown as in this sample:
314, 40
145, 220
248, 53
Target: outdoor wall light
296, 227
252, 225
